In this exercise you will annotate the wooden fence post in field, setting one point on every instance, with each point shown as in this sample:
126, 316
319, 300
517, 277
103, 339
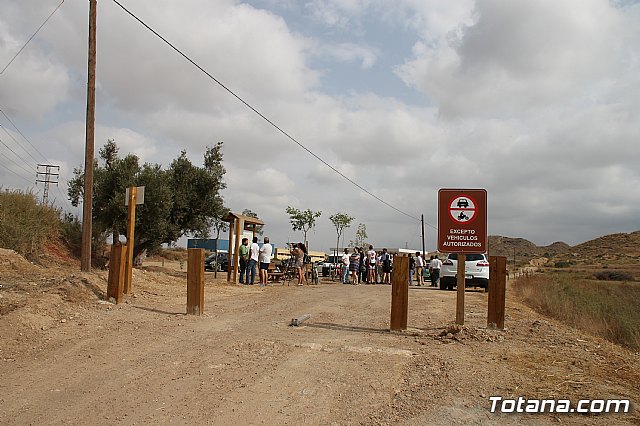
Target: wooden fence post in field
195, 281
400, 293
497, 291
115, 281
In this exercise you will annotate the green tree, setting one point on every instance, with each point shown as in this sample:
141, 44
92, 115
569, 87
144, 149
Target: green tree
248, 212
184, 199
361, 237
303, 220
196, 194
220, 225
340, 221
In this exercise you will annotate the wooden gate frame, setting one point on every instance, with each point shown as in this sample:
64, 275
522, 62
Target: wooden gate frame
238, 223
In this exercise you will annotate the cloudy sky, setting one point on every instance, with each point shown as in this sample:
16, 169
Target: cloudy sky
536, 101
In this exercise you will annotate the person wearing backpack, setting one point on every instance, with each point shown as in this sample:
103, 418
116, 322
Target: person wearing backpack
371, 266
385, 259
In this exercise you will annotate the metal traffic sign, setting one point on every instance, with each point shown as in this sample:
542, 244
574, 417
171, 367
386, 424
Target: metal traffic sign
139, 196
462, 220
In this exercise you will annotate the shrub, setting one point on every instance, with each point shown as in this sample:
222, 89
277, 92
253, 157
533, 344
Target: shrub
614, 276
562, 264
71, 233
24, 224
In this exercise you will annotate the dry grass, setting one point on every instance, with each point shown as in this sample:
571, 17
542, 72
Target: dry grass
25, 225
173, 253
607, 309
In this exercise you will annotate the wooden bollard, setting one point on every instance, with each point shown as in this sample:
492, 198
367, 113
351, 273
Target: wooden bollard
400, 293
497, 291
195, 281
131, 221
461, 287
115, 283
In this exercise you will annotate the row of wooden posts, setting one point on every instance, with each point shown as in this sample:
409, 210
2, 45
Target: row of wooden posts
497, 292
399, 286
118, 270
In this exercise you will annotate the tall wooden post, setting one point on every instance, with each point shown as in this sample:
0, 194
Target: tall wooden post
400, 293
497, 291
236, 249
195, 281
116, 272
461, 287
230, 251
87, 202
130, 231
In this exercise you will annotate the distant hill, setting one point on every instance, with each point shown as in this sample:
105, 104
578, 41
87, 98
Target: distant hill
614, 248
520, 247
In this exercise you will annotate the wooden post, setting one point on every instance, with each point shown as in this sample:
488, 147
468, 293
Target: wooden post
236, 249
400, 293
229, 251
497, 291
130, 230
195, 281
116, 272
461, 287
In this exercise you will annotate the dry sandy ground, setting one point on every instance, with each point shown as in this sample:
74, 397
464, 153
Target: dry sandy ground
68, 357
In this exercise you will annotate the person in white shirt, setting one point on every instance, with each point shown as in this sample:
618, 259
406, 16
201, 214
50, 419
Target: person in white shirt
436, 264
371, 265
254, 253
264, 256
345, 267
419, 266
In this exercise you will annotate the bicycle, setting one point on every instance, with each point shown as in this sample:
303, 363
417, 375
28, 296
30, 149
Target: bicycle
336, 272
315, 279
290, 271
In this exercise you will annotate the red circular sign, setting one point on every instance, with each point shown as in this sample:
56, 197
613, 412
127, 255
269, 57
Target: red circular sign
463, 209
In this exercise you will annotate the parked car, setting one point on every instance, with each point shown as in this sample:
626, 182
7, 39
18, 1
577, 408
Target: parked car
329, 264
476, 271
210, 262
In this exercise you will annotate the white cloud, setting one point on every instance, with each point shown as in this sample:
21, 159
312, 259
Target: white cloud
535, 101
349, 52
516, 57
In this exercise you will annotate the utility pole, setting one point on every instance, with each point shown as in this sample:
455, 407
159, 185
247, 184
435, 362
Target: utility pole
424, 255
87, 207
49, 177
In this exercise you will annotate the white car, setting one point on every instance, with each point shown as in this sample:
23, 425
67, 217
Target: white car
476, 271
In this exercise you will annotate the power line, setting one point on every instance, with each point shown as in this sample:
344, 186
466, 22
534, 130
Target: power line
30, 38
21, 134
262, 115
20, 176
18, 143
64, 197
16, 154
11, 159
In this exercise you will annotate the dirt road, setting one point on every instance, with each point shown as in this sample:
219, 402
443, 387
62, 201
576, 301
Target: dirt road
69, 357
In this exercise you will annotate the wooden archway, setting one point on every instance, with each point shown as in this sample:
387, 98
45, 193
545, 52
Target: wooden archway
237, 224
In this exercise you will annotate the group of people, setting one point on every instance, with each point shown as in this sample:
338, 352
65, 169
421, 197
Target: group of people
371, 267
254, 257
358, 267
417, 265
